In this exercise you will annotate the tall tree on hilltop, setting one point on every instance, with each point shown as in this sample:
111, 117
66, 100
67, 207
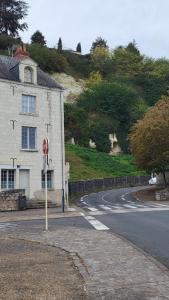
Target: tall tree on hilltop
60, 45
99, 42
132, 47
12, 12
79, 48
38, 38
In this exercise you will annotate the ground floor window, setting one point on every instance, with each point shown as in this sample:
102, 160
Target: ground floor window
49, 179
7, 179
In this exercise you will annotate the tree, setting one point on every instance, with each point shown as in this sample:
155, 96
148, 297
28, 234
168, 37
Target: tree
99, 42
115, 102
49, 60
76, 124
60, 45
132, 47
99, 133
79, 48
94, 78
149, 142
11, 15
101, 61
38, 38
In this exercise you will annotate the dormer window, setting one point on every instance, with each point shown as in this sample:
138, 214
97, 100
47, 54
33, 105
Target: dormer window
28, 75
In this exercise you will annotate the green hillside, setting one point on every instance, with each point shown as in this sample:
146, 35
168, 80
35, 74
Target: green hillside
88, 164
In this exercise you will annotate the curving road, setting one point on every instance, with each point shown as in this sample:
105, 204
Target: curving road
146, 225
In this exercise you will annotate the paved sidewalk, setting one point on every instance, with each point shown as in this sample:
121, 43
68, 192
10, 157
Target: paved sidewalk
112, 268
36, 214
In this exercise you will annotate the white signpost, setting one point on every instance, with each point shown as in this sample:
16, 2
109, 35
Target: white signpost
67, 168
45, 169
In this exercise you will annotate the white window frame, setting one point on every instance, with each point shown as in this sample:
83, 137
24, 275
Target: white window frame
49, 179
26, 104
28, 148
8, 187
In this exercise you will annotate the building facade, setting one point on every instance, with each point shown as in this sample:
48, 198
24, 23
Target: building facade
31, 109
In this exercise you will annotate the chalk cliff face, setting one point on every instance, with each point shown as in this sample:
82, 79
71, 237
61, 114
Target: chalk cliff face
72, 87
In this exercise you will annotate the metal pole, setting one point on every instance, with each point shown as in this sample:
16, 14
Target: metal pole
62, 151
46, 195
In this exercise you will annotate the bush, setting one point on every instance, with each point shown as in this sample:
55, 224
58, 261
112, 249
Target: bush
49, 60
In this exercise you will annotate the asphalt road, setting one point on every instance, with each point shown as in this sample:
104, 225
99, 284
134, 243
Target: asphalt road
146, 225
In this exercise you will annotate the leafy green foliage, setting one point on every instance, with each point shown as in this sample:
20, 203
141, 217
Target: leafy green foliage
99, 42
49, 60
89, 164
11, 15
113, 103
79, 65
38, 38
76, 124
7, 42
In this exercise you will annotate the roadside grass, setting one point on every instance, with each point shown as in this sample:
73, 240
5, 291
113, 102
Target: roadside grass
88, 164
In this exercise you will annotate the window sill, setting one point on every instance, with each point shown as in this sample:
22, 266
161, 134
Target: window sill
29, 114
29, 150
49, 189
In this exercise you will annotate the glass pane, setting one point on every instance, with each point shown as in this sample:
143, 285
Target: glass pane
25, 108
11, 179
49, 180
31, 104
32, 138
3, 179
25, 137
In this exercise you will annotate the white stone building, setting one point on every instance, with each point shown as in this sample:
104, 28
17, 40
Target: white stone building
31, 109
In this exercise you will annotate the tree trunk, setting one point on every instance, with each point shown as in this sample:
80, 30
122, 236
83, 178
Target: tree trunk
164, 176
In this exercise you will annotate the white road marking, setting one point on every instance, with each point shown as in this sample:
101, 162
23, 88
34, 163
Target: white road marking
130, 206
95, 223
105, 207
92, 208
5, 225
97, 213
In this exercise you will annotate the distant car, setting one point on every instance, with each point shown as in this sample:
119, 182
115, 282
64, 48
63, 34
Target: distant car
153, 180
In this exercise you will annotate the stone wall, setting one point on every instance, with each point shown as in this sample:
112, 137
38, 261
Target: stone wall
162, 195
85, 186
12, 200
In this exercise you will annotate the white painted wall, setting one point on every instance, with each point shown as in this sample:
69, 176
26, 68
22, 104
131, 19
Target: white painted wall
49, 109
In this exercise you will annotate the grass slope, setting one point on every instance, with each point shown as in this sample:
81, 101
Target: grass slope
88, 164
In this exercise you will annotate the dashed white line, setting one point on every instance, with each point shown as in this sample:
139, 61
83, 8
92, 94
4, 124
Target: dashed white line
104, 207
95, 223
92, 208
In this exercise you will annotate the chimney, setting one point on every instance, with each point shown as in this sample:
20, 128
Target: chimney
21, 52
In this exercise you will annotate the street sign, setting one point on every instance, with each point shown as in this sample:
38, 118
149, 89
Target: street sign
45, 146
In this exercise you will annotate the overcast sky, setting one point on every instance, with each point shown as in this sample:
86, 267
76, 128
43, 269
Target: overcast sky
117, 21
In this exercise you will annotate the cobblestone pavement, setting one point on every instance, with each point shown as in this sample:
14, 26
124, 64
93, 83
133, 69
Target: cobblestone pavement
33, 271
113, 269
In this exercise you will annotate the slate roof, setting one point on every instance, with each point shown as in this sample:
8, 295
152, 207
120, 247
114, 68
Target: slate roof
9, 69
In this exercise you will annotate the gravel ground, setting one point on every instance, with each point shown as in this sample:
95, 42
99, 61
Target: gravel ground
30, 270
